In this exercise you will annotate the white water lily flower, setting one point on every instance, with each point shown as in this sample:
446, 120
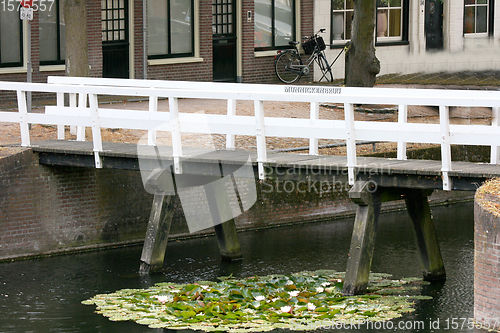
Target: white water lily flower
286, 309
339, 280
274, 299
325, 284
320, 290
289, 282
293, 293
204, 287
311, 307
330, 290
163, 298
260, 298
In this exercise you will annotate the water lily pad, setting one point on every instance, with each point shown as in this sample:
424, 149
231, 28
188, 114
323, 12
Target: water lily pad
301, 301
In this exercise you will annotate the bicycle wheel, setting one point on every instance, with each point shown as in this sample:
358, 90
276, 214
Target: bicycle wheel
326, 70
283, 68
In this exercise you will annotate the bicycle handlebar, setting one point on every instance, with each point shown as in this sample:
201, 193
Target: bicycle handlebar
320, 31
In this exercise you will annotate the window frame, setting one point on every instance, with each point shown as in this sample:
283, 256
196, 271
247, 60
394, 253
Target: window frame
19, 63
169, 54
58, 61
273, 14
490, 16
380, 41
339, 42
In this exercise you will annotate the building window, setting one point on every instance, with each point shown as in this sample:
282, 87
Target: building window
52, 31
342, 14
274, 23
11, 32
170, 28
478, 17
392, 21
389, 20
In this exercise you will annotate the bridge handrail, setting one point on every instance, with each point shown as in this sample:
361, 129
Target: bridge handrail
84, 115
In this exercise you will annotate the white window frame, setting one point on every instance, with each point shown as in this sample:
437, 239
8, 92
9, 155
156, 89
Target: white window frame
388, 8
475, 6
344, 13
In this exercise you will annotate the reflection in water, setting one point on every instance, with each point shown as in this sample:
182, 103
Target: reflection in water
44, 295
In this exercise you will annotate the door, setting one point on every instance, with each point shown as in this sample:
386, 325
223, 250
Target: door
433, 24
115, 44
224, 40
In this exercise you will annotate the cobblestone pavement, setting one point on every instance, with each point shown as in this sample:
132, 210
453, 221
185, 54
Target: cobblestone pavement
10, 134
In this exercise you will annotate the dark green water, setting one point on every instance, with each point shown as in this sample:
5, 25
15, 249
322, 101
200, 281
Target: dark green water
44, 295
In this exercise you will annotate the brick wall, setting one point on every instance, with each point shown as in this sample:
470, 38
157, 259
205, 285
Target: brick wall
94, 37
138, 41
50, 209
261, 69
487, 259
57, 209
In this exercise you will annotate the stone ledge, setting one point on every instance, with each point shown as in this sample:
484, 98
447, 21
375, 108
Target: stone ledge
12, 158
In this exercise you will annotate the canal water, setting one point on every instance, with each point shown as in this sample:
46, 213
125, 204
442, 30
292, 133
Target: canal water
44, 295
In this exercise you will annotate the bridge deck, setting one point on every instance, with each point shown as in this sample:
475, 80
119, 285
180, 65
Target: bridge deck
293, 166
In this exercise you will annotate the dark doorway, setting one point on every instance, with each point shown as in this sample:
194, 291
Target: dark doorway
224, 40
115, 44
433, 25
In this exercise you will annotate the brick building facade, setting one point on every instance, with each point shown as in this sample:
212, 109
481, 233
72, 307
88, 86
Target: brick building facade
187, 39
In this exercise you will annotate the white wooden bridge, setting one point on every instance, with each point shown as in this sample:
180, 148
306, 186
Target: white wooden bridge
82, 114
396, 178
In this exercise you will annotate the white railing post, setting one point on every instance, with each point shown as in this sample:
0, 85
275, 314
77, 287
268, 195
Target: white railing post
231, 112
350, 142
402, 119
82, 104
260, 137
72, 103
313, 142
153, 108
444, 119
173, 104
96, 130
60, 128
495, 149
23, 118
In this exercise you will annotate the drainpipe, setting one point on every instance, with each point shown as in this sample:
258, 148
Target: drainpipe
144, 40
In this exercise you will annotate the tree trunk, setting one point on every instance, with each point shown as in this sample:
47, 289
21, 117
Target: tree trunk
77, 56
362, 66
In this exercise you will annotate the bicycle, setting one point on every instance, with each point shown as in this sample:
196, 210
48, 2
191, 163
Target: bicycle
288, 63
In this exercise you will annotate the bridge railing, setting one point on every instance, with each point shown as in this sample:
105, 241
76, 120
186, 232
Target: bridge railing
88, 114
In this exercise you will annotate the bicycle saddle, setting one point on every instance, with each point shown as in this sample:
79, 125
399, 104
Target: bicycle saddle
293, 43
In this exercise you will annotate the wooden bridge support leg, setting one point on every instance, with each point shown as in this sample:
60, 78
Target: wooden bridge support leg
363, 237
155, 243
227, 238
220, 210
427, 243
